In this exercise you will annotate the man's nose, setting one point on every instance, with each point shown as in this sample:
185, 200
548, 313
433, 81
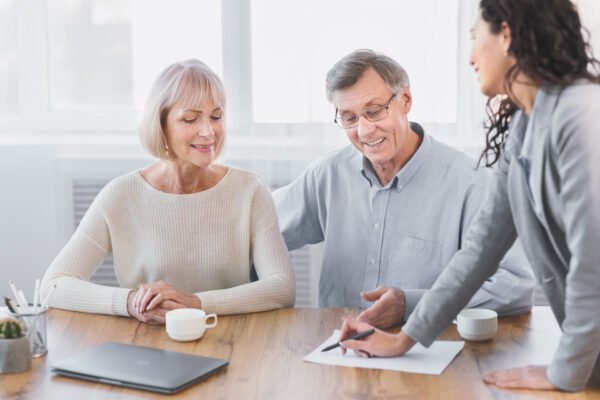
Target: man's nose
365, 127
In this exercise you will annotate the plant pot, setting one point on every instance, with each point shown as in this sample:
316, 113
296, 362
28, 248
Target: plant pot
15, 355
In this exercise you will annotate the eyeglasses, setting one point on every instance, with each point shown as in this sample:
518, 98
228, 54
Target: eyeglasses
376, 113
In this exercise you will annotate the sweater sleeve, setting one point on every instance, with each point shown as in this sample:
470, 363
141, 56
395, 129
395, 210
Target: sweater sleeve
275, 287
76, 263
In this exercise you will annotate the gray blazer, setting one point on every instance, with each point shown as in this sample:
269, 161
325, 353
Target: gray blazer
556, 213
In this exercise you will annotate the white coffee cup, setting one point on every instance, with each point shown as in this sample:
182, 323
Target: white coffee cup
187, 324
477, 324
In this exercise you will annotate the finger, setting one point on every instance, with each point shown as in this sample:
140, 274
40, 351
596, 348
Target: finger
361, 353
139, 317
148, 296
156, 300
171, 305
357, 345
374, 295
371, 314
515, 383
156, 321
501, 376
347, 330
138, 297
155, 316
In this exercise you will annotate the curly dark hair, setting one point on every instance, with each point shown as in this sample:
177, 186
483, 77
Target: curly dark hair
548, 43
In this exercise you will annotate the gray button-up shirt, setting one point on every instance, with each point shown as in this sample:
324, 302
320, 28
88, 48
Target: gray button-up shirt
402, 234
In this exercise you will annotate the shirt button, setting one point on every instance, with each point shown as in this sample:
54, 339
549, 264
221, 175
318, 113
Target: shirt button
400, 187
376, 226
372, 261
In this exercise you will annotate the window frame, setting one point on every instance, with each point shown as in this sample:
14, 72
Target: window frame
34, 115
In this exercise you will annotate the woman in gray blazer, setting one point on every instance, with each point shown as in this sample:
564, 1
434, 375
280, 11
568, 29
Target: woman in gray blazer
543, 134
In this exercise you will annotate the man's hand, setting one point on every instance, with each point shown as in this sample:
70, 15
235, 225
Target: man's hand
531, 377
380, 344
388, 307
156, 316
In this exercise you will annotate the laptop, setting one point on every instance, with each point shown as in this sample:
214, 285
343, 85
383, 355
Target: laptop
137, 367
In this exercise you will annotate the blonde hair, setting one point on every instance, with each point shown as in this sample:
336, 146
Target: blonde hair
191, 83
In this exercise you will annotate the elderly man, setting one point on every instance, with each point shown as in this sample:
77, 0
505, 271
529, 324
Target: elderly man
394, 207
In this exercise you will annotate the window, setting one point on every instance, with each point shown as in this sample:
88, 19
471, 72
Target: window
590, 18
8, 59
90, 54
292, 53
120, 46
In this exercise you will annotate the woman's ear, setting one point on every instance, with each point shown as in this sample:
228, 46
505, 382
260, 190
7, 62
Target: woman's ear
505, 37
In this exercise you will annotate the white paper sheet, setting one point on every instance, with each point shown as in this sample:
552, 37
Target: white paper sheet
418, 360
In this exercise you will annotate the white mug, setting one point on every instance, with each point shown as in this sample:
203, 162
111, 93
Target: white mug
477, 324
185, 324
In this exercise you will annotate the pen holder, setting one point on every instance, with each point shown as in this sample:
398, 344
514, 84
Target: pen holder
35, 327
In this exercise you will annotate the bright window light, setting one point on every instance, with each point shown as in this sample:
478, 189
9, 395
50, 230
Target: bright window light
106, 53
8, 59
295, 43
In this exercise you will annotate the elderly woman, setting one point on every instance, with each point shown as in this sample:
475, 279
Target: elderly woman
184, 231
531, 56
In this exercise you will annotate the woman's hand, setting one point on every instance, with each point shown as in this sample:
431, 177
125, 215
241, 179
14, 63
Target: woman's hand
380, 344
156, 316
151, 295
531, 377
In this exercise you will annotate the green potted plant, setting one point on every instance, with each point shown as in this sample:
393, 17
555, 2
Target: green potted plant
15, 355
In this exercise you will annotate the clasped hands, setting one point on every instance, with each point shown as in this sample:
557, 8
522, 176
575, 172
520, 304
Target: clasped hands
389, 305
151, 301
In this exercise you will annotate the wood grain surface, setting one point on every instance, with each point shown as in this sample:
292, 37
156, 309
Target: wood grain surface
265, 352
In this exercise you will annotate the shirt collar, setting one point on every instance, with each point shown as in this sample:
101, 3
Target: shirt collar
408, 170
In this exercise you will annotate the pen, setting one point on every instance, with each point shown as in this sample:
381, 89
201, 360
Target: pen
36, 296
9, 305
23, 302
14, 291
355, 337
47, 298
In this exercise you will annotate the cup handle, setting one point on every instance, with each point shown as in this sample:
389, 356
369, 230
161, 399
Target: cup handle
214, 322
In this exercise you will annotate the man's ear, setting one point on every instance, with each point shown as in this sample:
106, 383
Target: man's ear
405, 97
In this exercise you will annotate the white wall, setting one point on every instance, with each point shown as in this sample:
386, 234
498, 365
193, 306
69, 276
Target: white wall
30, 206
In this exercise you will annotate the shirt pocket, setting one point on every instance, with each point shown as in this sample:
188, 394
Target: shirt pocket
414, 263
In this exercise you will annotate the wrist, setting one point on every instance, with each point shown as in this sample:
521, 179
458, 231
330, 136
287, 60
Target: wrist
197, 302
403, 343
130, 297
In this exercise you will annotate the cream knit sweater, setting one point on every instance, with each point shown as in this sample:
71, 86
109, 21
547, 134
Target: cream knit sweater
202, 243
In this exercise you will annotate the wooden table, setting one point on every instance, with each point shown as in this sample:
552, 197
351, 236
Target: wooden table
265, 352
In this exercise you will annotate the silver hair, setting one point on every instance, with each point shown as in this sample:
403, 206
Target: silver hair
191, 83
347, 71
